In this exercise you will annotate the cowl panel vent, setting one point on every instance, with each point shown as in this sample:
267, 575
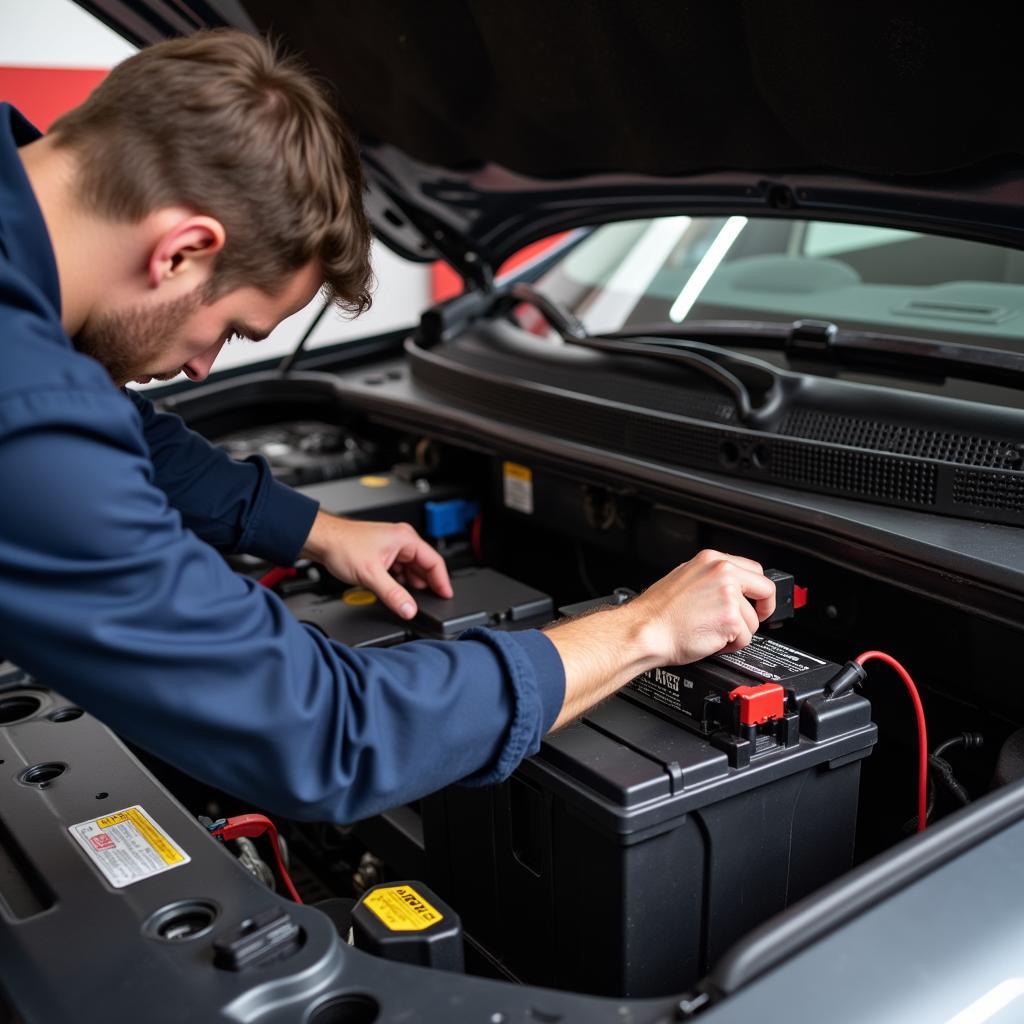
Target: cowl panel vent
915, 467
901, 439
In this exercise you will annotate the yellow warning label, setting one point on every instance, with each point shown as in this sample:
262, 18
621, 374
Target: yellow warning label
375, 481
402, 908
160, 846
517, 472
518, 487
358, 596
128, 846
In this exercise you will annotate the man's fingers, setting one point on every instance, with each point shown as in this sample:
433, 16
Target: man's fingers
391, 592
420, 559
738, 644
750, 617
748, 573
746, 563
738, 560
416, 578
761, 591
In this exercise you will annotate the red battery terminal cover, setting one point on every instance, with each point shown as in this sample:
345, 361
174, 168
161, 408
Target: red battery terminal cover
758, 704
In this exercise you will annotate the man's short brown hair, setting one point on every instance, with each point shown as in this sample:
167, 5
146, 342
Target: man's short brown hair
221, 123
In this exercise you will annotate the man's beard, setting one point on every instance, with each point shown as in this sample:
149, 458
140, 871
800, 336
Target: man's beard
128, 343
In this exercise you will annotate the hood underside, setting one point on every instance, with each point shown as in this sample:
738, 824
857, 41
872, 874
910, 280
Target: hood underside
487, 124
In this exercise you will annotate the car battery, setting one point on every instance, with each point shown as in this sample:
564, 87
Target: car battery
640, 843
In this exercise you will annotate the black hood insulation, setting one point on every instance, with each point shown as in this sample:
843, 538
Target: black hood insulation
552, 90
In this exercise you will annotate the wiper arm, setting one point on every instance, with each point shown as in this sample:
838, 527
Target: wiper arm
814, 341
693, 355
685, 356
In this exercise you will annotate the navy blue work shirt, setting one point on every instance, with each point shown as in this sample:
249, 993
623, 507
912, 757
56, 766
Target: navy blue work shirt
113, 592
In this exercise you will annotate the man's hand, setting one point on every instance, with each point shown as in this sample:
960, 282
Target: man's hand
699, 609
379, 556
702, 608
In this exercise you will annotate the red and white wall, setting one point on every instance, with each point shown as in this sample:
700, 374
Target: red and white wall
52, 54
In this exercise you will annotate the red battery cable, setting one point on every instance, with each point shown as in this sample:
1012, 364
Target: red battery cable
254, 825
922, 732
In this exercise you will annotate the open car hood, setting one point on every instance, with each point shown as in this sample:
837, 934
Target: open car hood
485, 125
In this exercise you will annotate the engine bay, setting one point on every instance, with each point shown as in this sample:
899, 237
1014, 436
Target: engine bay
645, 840
675, 819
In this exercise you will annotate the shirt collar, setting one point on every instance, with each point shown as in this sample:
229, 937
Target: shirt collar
24, 238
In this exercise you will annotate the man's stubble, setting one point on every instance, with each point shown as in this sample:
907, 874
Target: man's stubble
128, 343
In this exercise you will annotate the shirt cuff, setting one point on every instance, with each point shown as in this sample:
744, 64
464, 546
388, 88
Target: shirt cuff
537, 680
280, 520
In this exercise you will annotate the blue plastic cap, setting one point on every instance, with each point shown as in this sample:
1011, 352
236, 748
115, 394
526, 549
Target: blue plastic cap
447, 518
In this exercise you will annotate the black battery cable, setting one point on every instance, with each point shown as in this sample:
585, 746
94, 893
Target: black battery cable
942, 770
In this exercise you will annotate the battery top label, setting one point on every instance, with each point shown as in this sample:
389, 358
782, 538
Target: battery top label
768, 659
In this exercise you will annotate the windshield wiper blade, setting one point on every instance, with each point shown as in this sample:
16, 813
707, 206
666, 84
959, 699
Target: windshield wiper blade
823, 343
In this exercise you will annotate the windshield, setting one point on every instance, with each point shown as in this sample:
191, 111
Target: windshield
675, 269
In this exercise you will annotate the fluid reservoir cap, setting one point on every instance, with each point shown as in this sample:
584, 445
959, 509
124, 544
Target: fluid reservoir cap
406, 921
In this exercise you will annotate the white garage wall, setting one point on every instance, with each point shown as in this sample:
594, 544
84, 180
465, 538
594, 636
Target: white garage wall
403, 292
56, 34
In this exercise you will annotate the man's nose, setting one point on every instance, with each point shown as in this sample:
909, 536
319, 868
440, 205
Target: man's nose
198, 368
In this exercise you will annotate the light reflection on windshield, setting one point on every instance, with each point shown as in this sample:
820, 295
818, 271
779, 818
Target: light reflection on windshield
675, 269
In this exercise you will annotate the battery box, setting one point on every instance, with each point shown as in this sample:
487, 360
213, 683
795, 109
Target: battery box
643, 841
482, 597
381, 496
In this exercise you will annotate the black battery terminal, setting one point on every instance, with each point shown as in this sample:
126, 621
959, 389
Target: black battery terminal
849, 676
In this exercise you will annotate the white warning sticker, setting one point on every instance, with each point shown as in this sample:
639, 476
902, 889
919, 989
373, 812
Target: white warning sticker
518, 487
768, 659
128, 846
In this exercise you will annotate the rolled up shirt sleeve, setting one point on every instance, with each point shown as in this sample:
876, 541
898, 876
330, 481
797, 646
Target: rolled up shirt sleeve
106, 595
237, 506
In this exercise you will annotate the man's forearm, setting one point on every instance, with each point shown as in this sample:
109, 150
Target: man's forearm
600, 653
232, 505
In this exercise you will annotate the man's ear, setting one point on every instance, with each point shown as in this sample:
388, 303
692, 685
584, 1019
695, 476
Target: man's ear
185, 251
